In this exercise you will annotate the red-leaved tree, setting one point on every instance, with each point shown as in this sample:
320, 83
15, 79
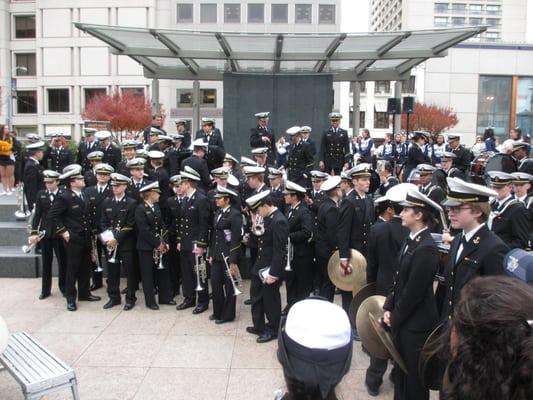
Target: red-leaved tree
126, 112
430, 118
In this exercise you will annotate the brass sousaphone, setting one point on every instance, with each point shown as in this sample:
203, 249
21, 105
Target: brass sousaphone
350, 282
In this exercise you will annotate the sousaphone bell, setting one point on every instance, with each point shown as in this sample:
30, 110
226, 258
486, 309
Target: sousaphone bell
352, 281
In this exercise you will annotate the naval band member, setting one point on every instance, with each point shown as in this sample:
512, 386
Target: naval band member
334, 147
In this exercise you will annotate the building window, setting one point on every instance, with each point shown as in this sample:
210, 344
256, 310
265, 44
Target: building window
58, 100
25, 64
494, 104
326, 14
381, 120
208, 13
458, 7
24, 26
441, 7
26, 102
362, 85
440, 21
208, 98
136, 91
475, 8
280, 13
91, 93
493, 22
493, 9
458, 21
492, 35
232, 13
524, 105
185, 13
408, 86
382, 87
475, 21
303, 14
256, 13
361, 119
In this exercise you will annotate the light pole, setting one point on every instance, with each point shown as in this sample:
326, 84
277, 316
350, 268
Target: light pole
11, 95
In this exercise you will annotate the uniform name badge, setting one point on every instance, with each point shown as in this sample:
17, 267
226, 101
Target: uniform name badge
106, 236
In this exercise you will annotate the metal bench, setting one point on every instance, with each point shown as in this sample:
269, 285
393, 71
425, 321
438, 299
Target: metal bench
35, 368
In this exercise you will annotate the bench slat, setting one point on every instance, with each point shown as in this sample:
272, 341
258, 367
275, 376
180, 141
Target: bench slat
54, 364
30, 359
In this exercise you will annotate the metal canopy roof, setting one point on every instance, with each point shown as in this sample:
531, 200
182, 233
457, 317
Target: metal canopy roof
193, 55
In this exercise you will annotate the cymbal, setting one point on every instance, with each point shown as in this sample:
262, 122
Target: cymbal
369, 338
431, 366
358, 297
352, 281
386, 339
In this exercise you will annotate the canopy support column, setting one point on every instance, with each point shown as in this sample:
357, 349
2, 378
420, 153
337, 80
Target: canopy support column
155, 96
195, 107
397, 117
356, 100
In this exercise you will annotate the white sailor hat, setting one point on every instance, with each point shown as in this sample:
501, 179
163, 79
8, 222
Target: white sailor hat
229, 157
245, 161
33, 137
163, 138
253, 170
35, 146
50, 175
141, 153
414, 198
129, 144
151, 187
293, 188
178, 121
293, 130
71, 171
453, 136
119, 179
102, 135
257, 199
274, 173
500, 178
200, 143
263, 114
460, 192
220, 172
95, 155
522, 177
89, 131
155, 131
331, 183
425, 169
381, 200
136, 162
318, 175
175, 180
104, 168
189, 174
518, 144
334, 115
208, 121
156, 154
260, 151
305, 128
232, 180
447, 155
221, 191
417, 134
344, 175
360, 170
177, 136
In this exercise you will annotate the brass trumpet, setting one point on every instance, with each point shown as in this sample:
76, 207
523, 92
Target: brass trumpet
236, 279
113, 252
94, 254
290, 255
258, 226
29, 247
201, 271
22, 212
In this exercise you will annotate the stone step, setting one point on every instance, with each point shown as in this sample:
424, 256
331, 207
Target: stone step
16, 264
8, 206
13, 233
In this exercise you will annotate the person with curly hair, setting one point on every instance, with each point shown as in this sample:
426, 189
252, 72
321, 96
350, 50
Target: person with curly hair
491, 342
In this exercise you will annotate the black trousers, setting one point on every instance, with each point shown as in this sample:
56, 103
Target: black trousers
223, 294
299, 281
78, 271
266, 301
48, 248
172, 261
409, 387
128, 259
375, 372
149, 274
189, 280
332, 166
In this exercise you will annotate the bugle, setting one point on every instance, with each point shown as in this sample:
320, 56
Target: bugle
22, 212
258, 225
94, 254
201, 271
236, 279
29, 247
290, 250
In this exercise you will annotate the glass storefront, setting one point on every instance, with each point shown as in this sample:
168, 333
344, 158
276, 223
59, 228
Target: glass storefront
524, 105
494, 104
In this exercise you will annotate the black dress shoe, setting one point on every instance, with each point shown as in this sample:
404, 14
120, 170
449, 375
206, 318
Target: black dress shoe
43, 296
199, 309
153, 307
248, 302
124, 291
266, 337
222, 321
96, 286
111, 303
372, 391
185, 305
71, 306
253, 330
212, 317
128, 306
91, 298
169, 303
